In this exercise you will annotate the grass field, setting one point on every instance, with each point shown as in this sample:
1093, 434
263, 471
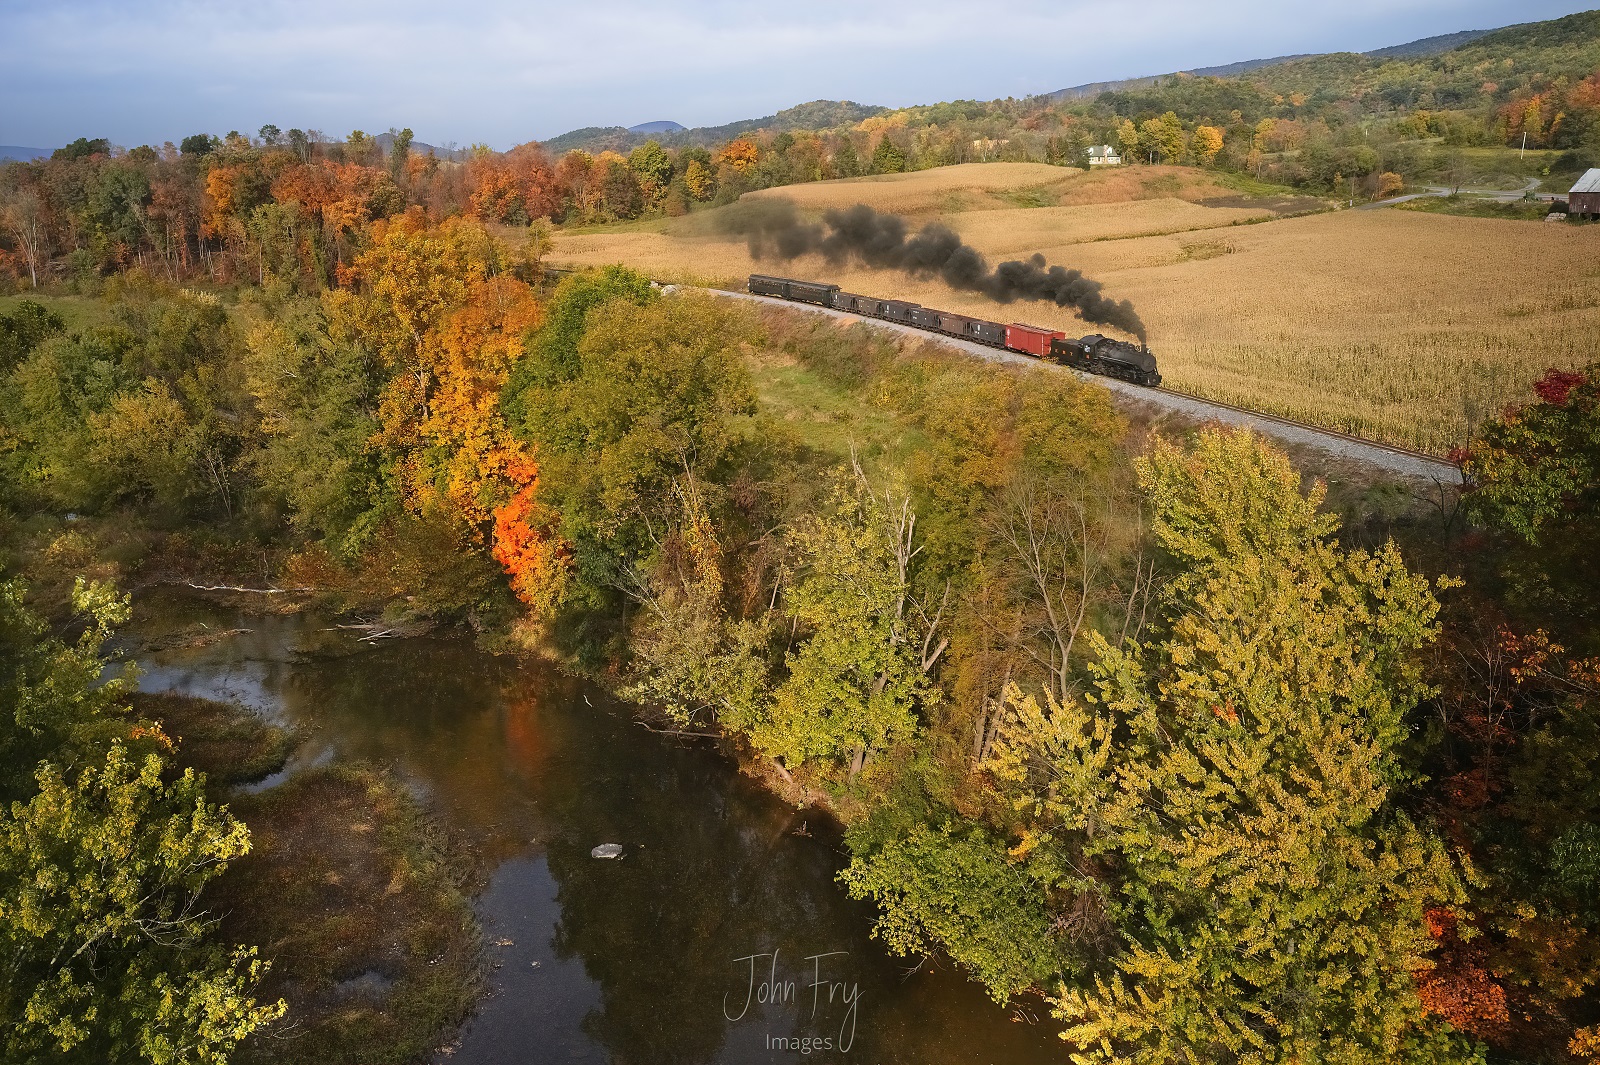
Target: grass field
1402, 326
78, 312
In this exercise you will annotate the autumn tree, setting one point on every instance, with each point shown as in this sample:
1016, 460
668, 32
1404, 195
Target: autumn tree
697, 179
1205, 143
623, 394
1231, 781
23, 214
1534, 469
108, 952
435, 306
742, 154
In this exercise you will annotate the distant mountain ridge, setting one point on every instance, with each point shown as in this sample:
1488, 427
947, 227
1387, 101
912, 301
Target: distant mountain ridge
827, 114
386, 142
818, 114
13, 153
1417, 49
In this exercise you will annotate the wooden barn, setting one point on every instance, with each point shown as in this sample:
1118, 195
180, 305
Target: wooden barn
1584, 199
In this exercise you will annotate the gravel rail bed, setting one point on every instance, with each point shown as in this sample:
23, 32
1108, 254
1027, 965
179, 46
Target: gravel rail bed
1411, 464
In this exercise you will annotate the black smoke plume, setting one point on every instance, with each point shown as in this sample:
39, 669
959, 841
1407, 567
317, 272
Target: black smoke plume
774, 228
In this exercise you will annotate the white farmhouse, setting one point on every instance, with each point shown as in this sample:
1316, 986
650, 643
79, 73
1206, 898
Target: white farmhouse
1104, 155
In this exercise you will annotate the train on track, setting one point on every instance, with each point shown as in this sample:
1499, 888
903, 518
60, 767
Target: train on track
1094, 353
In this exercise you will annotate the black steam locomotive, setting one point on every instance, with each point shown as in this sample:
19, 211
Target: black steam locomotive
1094, 353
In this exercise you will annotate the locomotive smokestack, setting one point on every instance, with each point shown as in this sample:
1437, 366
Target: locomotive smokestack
774, 227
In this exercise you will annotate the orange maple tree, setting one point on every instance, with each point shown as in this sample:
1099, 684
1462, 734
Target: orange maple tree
432, 302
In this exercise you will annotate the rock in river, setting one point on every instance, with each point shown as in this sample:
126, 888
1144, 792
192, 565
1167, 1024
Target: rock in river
607, 850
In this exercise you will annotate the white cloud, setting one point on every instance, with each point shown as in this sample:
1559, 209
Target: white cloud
502, 71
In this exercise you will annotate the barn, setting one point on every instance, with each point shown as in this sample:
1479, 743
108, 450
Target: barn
1584, 199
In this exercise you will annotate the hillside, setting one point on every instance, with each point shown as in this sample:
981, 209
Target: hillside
1486, 69
1411, 50
818, 114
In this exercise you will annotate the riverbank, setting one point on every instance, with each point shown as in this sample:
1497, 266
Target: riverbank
350, 892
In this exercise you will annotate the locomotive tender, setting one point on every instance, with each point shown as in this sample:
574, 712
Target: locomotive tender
1093, 353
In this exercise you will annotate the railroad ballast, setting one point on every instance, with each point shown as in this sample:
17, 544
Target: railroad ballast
1094, 353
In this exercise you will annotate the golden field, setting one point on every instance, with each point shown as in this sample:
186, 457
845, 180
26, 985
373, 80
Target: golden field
1400, 326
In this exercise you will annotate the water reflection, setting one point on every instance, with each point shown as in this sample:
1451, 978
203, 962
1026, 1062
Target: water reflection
633, 960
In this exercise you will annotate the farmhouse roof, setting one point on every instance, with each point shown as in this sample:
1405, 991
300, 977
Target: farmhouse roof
1590, 182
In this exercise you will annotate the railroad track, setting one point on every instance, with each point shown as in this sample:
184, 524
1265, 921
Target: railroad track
1417, 465
1420, 457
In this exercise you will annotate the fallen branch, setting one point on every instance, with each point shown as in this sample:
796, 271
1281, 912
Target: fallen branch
676, 732
373, 632
237, 588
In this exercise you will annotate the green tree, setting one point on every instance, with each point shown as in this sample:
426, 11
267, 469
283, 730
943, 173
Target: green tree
858, 678
1536, 469
887, 158
958, 890
1128, 140
1162, 136
846, 163
1234, 782
82, 148
22, 330
52, 704
651, 163
619, 190
624, 394
399, 155
317, 398
106, 947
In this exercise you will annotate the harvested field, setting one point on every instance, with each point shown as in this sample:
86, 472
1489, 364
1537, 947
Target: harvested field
1404, 327
1021, 232
1003, 186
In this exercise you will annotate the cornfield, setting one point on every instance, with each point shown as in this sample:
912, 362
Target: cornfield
1404, 327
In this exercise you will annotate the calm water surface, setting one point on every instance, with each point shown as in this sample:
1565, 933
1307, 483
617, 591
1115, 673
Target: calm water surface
641, 960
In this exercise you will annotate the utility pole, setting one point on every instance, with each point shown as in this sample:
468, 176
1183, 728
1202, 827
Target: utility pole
1524, 146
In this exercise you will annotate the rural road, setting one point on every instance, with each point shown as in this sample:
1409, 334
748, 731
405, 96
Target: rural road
1404, 463
1502, 195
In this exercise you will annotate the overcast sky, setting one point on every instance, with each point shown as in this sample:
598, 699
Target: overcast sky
506, 71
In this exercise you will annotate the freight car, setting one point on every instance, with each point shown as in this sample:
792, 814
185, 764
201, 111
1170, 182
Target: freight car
1094, 353
789, 289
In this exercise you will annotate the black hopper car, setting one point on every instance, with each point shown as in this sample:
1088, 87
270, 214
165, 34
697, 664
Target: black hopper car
1094, 353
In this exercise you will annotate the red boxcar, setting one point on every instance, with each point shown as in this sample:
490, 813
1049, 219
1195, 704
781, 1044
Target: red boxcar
1030, 339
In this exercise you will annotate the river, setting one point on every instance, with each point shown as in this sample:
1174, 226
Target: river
664, 955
